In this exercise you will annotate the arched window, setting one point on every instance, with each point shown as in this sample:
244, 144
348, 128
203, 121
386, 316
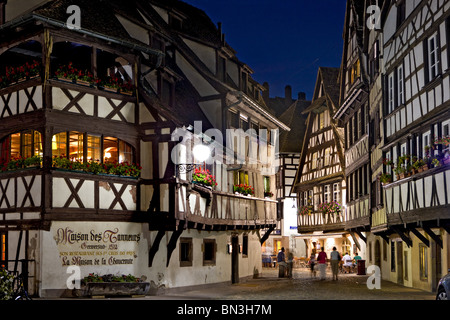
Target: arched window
23, 144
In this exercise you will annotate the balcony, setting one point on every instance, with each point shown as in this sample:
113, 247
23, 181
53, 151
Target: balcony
358, 213
419, 198
218, 210
320, 221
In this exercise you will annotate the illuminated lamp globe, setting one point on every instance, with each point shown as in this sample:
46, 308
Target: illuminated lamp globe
201, 152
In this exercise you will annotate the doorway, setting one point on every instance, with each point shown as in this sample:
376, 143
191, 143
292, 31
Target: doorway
378, 253
235, 258
400, 262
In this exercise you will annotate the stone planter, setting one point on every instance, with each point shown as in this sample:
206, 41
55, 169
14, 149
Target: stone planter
116, 289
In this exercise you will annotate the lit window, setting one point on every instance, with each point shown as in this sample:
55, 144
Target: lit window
59, 144
93, 148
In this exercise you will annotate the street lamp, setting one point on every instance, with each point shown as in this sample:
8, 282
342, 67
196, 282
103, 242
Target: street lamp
201, 153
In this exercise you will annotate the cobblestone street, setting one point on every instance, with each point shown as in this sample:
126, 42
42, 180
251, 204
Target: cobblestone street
302, 287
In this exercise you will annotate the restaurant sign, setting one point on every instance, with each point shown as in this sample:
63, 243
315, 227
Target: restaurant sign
97, 244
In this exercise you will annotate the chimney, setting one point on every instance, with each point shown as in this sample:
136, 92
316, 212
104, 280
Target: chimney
301, 96
265, 93
288, 95
3, 11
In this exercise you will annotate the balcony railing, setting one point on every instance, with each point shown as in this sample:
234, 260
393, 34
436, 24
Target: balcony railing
221, 208
25, 193
420, 197
318, 221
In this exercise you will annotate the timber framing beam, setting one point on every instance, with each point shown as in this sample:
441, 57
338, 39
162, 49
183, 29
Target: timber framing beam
355, 240
267, 234
420, 236
403, 236
155, 247
433, 236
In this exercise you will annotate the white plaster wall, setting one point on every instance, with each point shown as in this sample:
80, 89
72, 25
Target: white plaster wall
197, 274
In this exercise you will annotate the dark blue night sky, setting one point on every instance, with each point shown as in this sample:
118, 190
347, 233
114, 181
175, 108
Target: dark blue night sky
284, 41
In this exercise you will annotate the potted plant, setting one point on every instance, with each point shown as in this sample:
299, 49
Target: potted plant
418, 165
386, 178
436, 163
268, 194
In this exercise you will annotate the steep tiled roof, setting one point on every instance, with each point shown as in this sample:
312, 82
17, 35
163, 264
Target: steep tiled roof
291, 141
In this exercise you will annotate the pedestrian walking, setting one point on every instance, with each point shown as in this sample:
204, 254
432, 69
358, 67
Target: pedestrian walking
322, 262
312, 263
335, 259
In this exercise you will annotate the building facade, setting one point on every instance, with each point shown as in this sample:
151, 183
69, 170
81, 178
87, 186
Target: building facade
396, 123
320, 180
98, 126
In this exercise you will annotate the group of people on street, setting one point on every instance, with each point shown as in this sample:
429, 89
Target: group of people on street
335, 260
320, 262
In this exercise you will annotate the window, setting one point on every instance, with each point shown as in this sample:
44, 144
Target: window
432, 54
401, 12
400, 86
240, 177
392, 256
321, 120
59, 144
327, 157
93, 148
423, 261
185, 252
245, 245
391, 102
98, 148
76, 140
374, 61
3, 248
266, 184
314, 161
209, 252
21, 144
221, 68
426, 141
326, 193
336, 192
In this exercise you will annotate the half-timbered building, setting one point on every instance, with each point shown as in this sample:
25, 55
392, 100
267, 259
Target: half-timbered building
290, 112
416, 123
353, 115
319, 183
99, 115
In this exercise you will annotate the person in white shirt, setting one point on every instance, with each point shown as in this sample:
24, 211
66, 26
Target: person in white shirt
348, 261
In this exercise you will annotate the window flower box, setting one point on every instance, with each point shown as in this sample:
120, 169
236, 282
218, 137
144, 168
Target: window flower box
244, 189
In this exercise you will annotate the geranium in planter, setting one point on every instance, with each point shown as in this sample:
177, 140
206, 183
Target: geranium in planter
303, 211
244, 189
268, 194
332, 207
204, 177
